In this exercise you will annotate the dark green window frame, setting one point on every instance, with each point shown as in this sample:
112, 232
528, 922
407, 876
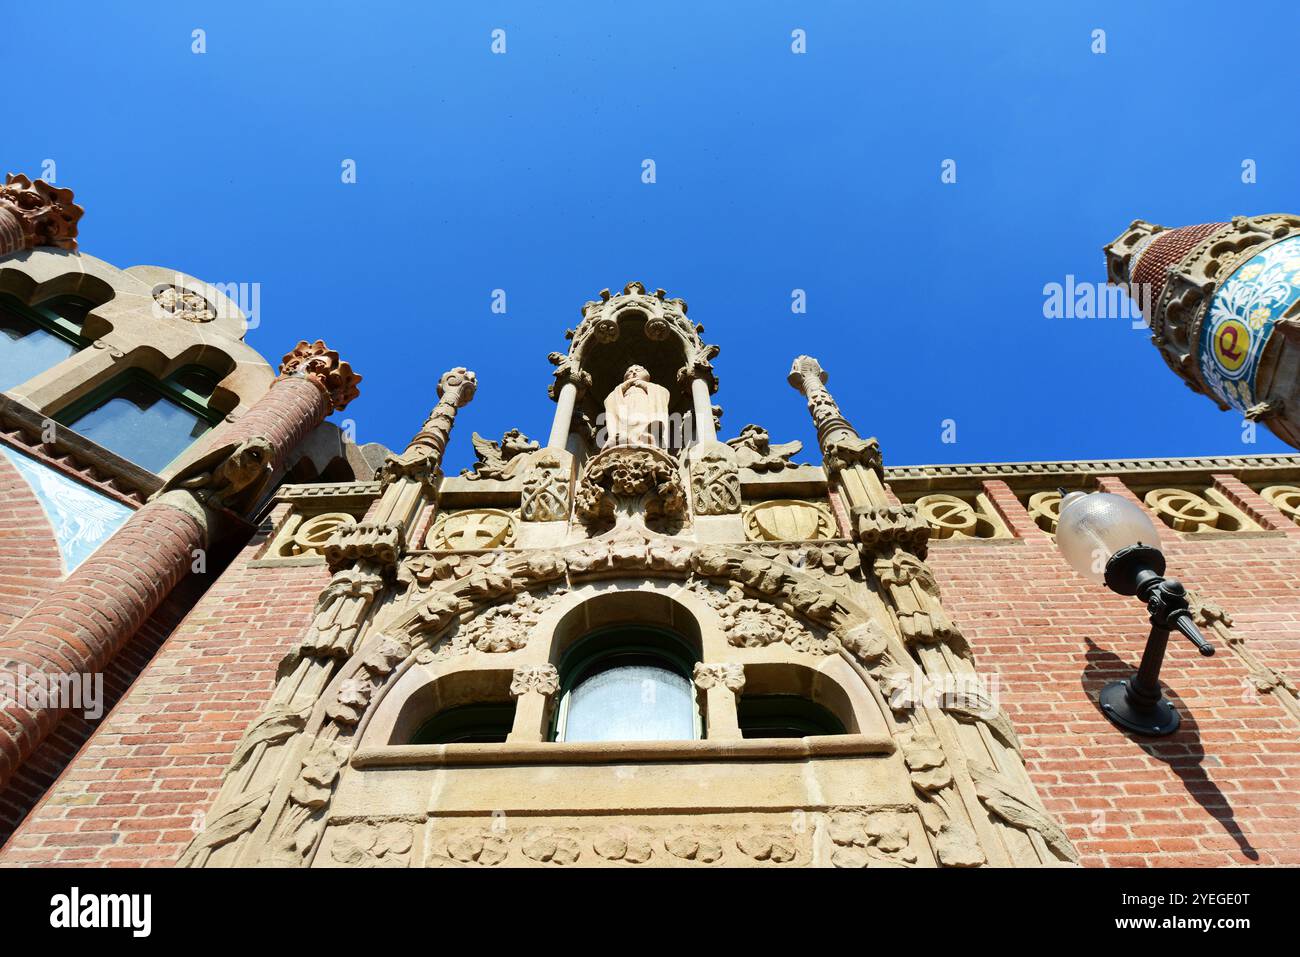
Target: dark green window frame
45, 316
794, 716
168, 388
487, 722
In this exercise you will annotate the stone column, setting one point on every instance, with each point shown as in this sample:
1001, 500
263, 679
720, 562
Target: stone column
702, 411
722, 683
75, 630
36, 214
564, 405
532, 686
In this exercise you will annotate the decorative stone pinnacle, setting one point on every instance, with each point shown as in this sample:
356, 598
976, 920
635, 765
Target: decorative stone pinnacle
321, 364
455, 390
36, 214
457, 386
807, 375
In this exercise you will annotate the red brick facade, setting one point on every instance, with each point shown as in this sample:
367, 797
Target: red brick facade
1223, 789
136, 792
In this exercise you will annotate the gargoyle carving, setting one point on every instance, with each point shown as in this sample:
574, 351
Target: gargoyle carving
500, 460
231, 476
754, 450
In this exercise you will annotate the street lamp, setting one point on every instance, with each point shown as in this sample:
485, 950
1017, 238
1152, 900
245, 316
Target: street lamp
1107, 538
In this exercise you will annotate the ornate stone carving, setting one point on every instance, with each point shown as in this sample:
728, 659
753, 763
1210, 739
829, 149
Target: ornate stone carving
626, 844
183, 304
500, 460
724, 674
870, 838
473, 846
1285, 498
1045, 509
422, 457
703, 848
1183, 510
948, 515
550, 847
786, 519
498, 629
314, 533
915, 595
754, 451
884, 528
34, 213
955, 844
341, 610
472, 528
830, 561
367, 844
628, 485
1001, 796
231, 476
752, 623
768, 846
322, 365
543, 679
636, 411
365, 541
547, 487
715, 481
840, 444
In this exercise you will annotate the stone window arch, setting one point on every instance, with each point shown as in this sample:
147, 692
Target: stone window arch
38, 337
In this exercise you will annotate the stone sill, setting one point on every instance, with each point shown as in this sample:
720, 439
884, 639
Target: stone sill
601, 752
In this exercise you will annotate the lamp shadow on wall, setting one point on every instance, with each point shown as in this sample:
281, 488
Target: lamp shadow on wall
1182, 750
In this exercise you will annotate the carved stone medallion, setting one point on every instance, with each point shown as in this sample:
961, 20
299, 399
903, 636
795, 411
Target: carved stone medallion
472, 528
787, 520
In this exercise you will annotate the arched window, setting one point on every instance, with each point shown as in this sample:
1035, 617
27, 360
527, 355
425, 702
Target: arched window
486, 723
36, 338
145, 420
628, 683
784, 716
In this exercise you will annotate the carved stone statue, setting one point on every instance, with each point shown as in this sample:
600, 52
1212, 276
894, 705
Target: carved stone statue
231, 476
500, 460
755, 451
636, 412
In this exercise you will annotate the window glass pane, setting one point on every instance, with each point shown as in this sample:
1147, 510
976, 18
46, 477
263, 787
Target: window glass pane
488, 723
141, 424
27, 350
632, 703
784, 716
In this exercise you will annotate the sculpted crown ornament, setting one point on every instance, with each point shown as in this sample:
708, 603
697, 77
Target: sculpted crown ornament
321, 364
665, 320
36, 214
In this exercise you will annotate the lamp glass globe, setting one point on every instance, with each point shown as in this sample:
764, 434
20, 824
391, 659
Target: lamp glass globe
1094, 526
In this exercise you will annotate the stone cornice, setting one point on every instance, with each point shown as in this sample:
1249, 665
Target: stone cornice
1245, 467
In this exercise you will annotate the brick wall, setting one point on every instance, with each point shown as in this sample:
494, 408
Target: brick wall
29, 552
1223, 789
136, 792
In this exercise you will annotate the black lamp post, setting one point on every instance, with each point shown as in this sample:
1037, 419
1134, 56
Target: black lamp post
1108, 539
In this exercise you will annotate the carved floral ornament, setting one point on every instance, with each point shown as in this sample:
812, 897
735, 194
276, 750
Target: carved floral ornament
46, 214
322, 365
183, 304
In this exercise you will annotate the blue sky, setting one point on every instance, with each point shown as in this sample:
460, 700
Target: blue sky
775, 172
